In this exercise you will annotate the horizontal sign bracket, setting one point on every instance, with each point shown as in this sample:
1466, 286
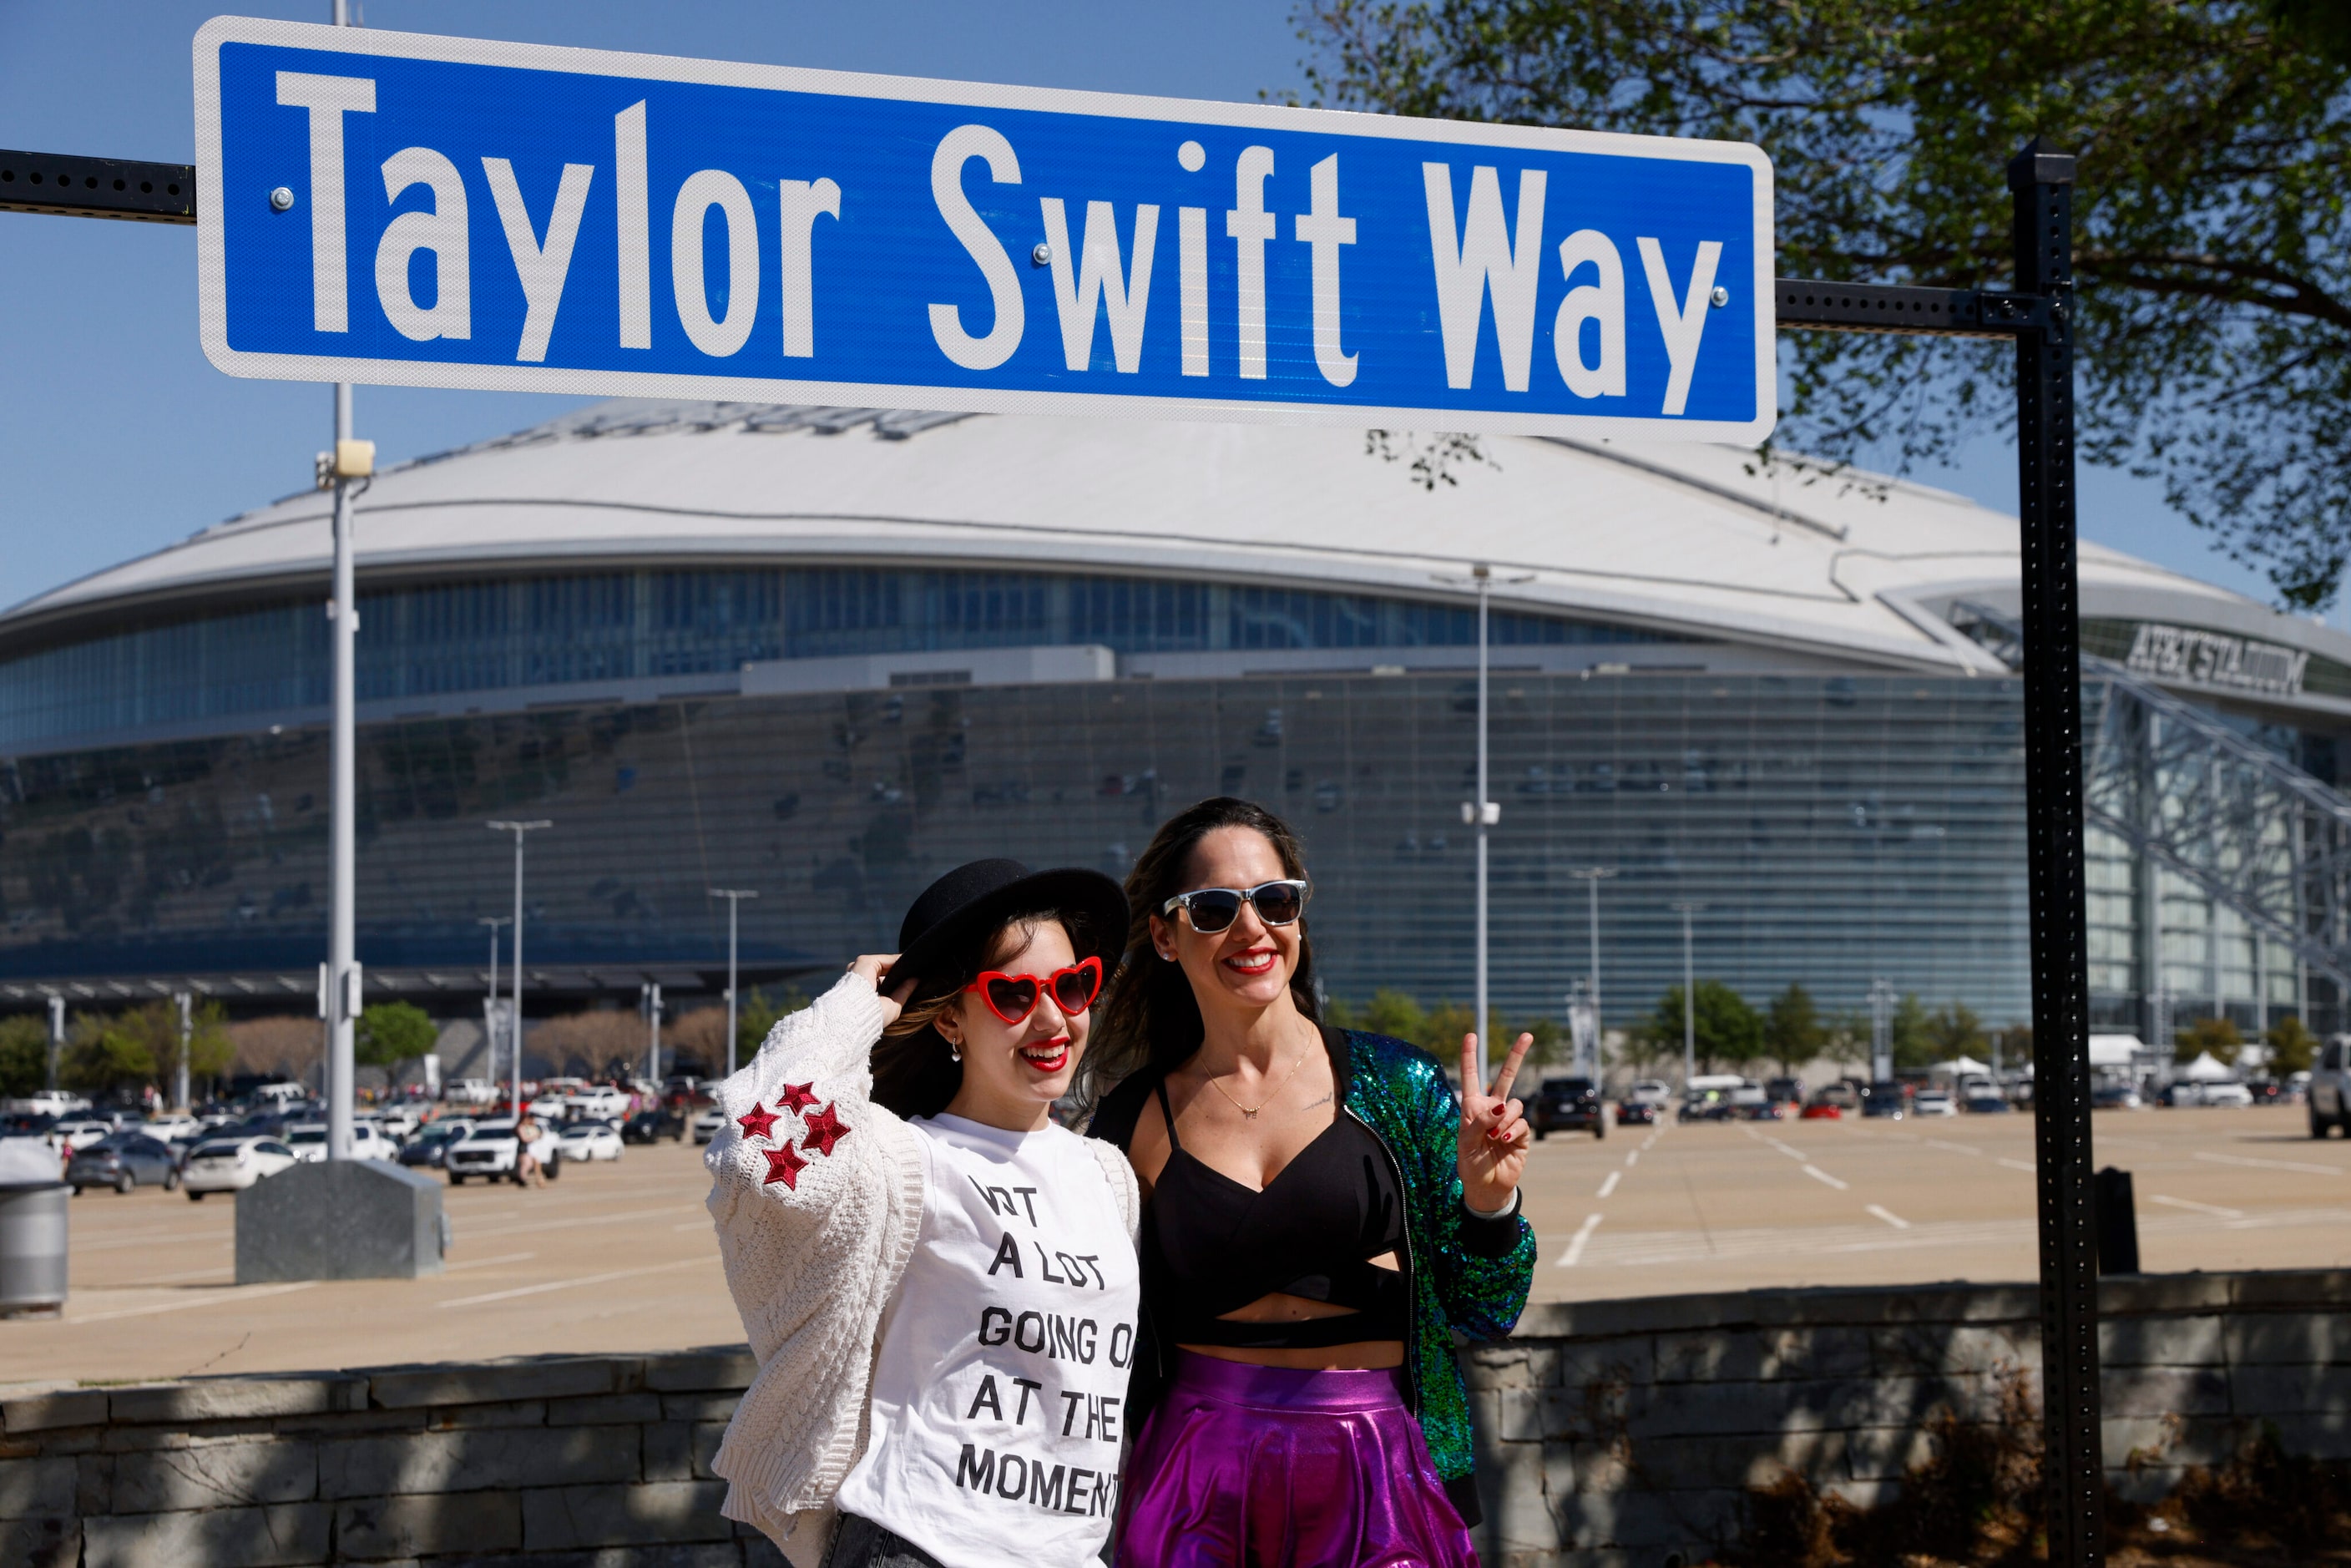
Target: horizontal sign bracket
1814, 305
75, 188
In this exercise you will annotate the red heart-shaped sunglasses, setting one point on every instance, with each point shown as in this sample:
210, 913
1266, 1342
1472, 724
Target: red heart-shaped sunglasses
1013, 998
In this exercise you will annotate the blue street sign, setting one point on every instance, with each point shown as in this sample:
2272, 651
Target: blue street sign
418, 211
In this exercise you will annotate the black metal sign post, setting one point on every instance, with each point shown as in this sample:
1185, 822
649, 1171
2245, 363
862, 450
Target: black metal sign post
2040, 316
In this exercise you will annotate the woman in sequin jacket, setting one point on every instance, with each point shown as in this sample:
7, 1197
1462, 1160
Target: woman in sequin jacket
1321, 1215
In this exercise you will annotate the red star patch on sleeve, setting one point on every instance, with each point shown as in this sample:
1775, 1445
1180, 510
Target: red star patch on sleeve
795, 1097
756, 1123
824, 1130
785, 1166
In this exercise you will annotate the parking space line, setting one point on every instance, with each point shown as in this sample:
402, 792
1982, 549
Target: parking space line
2299, 1167
1890, 1218
2027, 1166
1631, 1159
246, 1293
1574, 1253
1610, 1185
1790, 1150
1955, 1148
584, 1280
488, 1263
1819, 1175
2212, 1209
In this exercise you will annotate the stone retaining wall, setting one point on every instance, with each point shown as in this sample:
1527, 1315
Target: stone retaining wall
1612, 1434
1618, 1434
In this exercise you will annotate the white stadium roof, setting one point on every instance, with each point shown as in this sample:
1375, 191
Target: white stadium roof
1668, 537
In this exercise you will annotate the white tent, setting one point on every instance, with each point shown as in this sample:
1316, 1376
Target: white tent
2114, 1050
2206, 1069
1960, 1066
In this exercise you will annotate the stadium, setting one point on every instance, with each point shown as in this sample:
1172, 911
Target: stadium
826, 654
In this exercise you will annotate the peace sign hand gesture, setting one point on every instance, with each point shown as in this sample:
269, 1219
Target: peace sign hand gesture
1494, 1132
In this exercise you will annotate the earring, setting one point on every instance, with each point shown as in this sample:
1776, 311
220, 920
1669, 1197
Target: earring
955, 1052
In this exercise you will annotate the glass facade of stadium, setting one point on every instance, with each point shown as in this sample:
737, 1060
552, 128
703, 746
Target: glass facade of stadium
162, 792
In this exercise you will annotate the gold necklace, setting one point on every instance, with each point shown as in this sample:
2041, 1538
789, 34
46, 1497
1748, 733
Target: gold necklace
1249, 1113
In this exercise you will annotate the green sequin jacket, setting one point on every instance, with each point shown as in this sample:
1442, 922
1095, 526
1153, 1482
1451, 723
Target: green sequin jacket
1467, 1274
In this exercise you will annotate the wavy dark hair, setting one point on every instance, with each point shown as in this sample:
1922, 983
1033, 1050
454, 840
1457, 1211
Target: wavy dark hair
1149, 1018
915, 1071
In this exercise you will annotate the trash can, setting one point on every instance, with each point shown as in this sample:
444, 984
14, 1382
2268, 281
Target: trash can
33, 1248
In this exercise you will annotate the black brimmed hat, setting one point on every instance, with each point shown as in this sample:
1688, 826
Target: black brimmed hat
979, 896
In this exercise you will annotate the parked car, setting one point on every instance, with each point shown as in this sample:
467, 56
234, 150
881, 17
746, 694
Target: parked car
232, 1164
654, 1123
470, 1092
1824, 1109
2182, 1093
706, 1125
1987, 1105
174, 1129
547, 1105
594, 1139
431, 1145
1632, 1113
1886, 1099
1568, 1105
308, 1140
1652, 1091
82, 1131
2117, 1097
601, 1105
399, 1122
2329, 1096
2227, 1094
122, 1161
1788, 1091
490, 1149
1934, 1102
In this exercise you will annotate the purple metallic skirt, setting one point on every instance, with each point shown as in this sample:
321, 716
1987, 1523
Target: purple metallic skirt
1274, 1468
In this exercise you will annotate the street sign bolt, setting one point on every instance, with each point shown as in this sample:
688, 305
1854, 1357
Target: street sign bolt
281, 200
1042, 255
1721, 297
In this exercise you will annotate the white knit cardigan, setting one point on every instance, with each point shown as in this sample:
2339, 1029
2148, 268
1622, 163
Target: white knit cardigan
815, 1245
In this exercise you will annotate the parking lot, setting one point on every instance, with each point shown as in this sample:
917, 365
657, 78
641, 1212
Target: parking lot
1722, 1206
620, 1255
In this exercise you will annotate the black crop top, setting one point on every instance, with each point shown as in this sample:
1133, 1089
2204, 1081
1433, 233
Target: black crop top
1211, 1245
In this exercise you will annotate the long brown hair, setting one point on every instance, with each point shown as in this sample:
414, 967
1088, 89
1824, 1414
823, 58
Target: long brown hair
1149, 1017
915, 1071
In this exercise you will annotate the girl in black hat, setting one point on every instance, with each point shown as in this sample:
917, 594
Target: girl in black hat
938, 1282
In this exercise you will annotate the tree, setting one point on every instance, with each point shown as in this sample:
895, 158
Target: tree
2211, 245
1910, 1034
2293, 1048
1397, 1014
1727, 1032
759, 1015
157, 1028
391, 1035
1792, 1028
1957, 1031
105, 1053
2217, 1035
23, 1055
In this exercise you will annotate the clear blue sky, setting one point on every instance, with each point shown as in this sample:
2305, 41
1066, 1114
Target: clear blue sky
116, 436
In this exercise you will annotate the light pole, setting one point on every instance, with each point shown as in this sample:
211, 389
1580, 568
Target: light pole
349, 460
650, 991
733, 897
515, 988
1881, 1031
1592, 876
1690, 996
187, 1037
1482, 813
490, 1005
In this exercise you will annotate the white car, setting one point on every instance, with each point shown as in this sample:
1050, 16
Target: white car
1651, 1091
547, 1105
706, 1125
174, 1129
399, 1122
232, 1164
1934, 1102
47, 1103
81, 1134
2227, 1094
589, 1140
489, 1152
599, 1105
471, 1091
308, 1140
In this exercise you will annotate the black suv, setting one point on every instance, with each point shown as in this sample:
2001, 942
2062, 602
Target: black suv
654, 1123
1568, 1105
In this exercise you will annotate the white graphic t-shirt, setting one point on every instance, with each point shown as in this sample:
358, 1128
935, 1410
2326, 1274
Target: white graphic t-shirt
1000, 1389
